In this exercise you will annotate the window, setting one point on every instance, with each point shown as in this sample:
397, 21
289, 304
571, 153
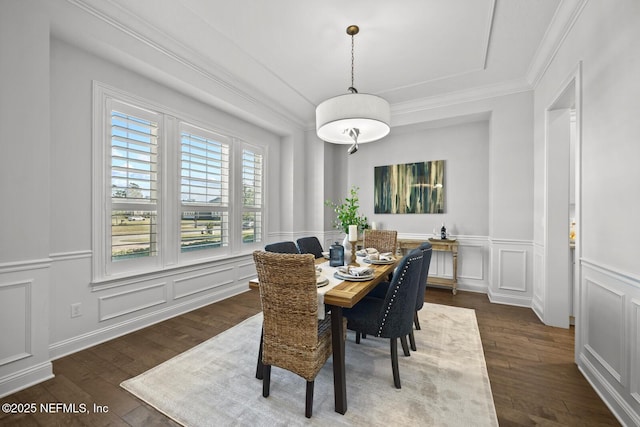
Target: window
134, 165
168, 191
204, 190
251, 196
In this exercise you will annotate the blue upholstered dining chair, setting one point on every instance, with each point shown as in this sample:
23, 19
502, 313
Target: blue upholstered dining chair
427, 251
381, 290
310, 245
392, 316
287, 247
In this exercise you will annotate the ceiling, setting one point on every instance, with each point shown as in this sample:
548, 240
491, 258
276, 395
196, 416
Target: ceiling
292, 54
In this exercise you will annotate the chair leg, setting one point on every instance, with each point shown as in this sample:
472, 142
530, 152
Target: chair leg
412, 341
308, 408
357, 337
416, 321
394, 362
364, 336
405, 347
259, 364
266, 381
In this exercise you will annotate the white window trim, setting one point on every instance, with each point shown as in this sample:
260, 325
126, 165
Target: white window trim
239, 147
168, 205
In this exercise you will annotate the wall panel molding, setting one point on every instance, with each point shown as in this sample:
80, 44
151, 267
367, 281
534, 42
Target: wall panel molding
196, 283
130, 301
608, 343
28, 265
602, 300
511, 273
72, 255
634, 371
471, 262
512, 269
15, 321
142, 320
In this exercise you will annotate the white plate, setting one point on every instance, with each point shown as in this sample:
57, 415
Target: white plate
379, 261
322, 282
325, 254
352, 278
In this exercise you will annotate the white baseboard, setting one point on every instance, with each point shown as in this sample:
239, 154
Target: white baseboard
25, 378
614, 401
506, 299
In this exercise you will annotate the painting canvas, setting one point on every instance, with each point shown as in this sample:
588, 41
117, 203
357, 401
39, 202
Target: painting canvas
409, 188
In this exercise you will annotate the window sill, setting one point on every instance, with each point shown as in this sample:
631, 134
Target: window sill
124, 279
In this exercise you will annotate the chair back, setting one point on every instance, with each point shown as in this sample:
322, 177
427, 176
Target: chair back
382, 240
287, 247
289, 298
310, 245
427, 251
396, 315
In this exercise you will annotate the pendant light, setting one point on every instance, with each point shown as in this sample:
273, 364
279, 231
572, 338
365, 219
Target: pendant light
354, 117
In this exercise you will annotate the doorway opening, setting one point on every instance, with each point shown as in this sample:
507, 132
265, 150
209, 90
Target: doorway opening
562, 206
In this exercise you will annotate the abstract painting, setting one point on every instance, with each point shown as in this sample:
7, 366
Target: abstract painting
409, 188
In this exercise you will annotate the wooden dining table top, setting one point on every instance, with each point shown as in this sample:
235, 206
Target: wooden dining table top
347, 293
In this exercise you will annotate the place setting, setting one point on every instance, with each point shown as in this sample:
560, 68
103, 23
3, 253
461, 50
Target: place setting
372, 256
354, 274
321, 280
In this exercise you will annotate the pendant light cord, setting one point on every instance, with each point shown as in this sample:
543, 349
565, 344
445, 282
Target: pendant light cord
352, 89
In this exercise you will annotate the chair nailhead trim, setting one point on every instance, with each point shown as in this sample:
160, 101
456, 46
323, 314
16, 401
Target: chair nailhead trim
393, 297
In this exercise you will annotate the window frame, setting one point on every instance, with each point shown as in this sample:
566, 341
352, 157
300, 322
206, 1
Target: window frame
224, 249
168, 204
241, 147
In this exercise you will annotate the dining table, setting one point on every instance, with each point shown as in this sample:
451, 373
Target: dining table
336, 296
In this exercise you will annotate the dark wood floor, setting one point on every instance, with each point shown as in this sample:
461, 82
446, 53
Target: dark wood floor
533, 377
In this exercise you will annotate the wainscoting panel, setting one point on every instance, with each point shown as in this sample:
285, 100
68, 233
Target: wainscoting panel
15, 321
246, 270
513, 269
471, 262
511, 272
608, 343
130, 301
441, 265
24, 324
201, 282
634, 384
604, 327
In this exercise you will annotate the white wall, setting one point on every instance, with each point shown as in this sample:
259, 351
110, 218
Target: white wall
24, 210
606, 41
492, 215
46, 121
72, 72
465, 150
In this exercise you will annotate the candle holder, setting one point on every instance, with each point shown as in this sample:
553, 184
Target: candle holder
353, 262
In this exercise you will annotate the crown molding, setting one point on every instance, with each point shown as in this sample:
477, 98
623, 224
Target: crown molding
233, 95
460, 97
563, 21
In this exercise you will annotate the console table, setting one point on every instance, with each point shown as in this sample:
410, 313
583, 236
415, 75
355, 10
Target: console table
438, 245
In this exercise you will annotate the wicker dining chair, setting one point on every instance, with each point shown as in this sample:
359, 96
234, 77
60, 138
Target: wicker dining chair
310, 245
382, 240
293, 337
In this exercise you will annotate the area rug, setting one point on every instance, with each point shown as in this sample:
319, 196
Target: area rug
444, 383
